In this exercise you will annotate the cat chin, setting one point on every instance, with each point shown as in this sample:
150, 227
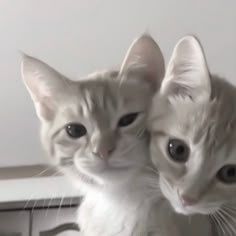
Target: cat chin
185, 210
179, 208
89, 176
91, 168
86, 178
78, 176
193, 210
171, 195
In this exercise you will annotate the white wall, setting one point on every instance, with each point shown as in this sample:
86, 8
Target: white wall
80, 36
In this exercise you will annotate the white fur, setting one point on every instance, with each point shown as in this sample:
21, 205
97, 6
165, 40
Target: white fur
198, 109
121, 192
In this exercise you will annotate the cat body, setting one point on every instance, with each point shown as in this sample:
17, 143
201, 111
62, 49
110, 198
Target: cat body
102, 215
94, 131
124, 211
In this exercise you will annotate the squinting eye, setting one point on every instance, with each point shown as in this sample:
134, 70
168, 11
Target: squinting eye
127, 119
75, 130
227, 174
178, 150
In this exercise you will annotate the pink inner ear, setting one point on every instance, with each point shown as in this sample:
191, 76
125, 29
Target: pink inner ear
45, 108
145, 56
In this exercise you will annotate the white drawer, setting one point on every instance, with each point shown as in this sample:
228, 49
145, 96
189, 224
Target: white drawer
14, 223
55, 222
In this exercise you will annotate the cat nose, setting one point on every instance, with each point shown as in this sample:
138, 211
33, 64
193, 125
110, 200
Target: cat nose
103, 152
187, 200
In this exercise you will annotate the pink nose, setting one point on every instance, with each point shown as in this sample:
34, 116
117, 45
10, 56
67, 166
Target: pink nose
103, 153
186, 200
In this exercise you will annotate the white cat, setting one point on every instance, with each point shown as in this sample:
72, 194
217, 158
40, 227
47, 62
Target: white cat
94, 131
193, 128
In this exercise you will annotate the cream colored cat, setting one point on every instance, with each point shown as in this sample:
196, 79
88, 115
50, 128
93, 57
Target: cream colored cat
193, 128
94, 131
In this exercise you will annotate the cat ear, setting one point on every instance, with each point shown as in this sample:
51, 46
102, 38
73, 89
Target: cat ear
44, 85
187, 73
144, 55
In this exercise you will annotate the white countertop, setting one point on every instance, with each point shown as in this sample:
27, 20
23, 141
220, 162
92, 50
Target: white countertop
37, 192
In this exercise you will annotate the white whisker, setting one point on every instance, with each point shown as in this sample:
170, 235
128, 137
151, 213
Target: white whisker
221, 216
43, 172
60, 206
229, 216
49, 205
218, 223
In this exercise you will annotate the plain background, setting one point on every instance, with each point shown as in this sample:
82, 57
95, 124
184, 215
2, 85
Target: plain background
80, 36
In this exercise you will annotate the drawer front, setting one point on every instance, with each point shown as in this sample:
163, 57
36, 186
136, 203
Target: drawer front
14, 223
55, 222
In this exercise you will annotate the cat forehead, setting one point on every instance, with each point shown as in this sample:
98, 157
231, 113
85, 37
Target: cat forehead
213, 121
212, 125
105, 92
209, 129
114, 89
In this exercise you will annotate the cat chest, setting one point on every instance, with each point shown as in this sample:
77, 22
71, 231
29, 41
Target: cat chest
103, 217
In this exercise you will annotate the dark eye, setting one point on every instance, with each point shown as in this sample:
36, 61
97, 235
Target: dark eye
227, 174
178, 150
76, 130
127, 119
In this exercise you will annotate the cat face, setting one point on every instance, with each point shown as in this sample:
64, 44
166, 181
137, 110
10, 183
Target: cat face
93, 128
193, 132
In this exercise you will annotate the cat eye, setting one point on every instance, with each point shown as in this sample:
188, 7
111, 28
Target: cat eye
127, 119
178, 150
75, 130
227, 174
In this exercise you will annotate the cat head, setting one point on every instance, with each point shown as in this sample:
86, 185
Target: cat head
94, 128
193, 131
